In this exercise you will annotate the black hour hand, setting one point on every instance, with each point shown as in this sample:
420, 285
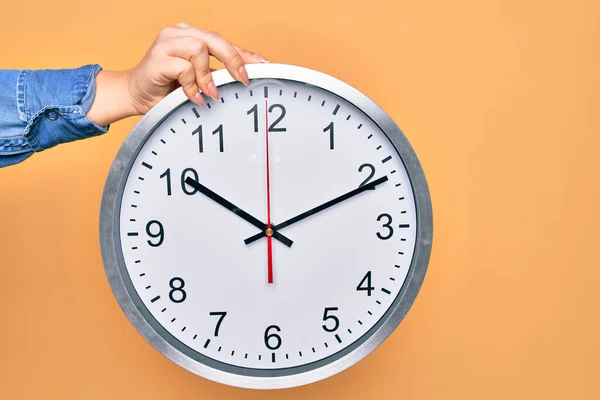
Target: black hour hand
236, 210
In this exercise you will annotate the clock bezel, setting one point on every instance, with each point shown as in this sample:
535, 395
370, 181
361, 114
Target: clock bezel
202, 365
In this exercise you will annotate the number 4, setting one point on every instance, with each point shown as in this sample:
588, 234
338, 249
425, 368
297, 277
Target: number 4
367, 280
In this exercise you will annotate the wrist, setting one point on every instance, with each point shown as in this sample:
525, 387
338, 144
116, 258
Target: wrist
112, 101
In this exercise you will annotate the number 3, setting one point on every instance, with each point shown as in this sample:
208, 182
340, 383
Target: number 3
387, 225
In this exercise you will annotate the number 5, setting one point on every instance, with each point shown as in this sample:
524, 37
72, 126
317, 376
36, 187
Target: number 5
336, 321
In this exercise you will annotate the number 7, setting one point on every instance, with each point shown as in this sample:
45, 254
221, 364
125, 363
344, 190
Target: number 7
222, 315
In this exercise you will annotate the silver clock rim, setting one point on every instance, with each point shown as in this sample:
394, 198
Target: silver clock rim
214, 370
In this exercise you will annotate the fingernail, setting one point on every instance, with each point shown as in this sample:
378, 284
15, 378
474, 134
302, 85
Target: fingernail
262, 59
198, 98
212, 90
244, 75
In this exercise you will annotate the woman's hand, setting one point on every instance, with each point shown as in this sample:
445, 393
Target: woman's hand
178, 57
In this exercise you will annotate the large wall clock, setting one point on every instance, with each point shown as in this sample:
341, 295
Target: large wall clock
271, 238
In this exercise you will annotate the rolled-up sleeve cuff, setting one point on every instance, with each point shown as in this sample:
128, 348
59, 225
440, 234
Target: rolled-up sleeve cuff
54, 103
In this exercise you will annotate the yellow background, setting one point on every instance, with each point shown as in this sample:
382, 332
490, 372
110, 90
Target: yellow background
498, 98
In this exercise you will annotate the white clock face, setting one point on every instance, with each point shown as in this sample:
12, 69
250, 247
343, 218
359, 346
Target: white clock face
234, 302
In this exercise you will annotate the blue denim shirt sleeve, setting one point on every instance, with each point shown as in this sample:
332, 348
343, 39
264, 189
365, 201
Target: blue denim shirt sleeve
40, 109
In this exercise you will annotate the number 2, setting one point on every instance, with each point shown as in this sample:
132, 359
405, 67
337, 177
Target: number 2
273, 126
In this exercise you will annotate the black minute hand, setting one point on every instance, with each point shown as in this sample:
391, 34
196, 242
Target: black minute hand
317, 209
235, 209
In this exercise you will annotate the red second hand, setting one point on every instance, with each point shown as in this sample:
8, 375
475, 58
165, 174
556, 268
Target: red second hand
269, 232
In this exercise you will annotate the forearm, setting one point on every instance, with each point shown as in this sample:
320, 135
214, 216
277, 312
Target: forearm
40, 109
112, 100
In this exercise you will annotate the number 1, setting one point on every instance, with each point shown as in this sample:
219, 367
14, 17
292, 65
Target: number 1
330, 129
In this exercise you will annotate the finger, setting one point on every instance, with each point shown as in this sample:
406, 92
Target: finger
249, 57
181, 25
196, 52
178, 69
223, 51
